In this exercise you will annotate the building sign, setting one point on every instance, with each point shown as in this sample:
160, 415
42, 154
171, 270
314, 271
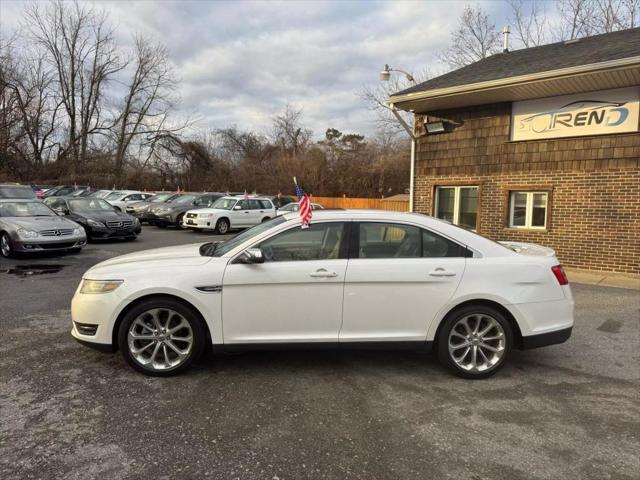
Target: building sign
592, 113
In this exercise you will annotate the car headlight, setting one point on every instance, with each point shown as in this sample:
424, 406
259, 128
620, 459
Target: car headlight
94, 223
24, 233
99, 286
77, 231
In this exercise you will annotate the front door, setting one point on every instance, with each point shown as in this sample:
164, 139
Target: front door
295, 296
399, 277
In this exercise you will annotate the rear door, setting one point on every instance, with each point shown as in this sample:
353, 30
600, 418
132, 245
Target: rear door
398, 278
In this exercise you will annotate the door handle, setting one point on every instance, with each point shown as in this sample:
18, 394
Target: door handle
441, 272
323, 273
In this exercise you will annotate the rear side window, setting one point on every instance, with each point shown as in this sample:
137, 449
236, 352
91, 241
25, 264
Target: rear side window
392, 240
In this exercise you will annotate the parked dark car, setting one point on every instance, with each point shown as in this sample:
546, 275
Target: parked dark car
172, 212
26, 225
15, 190
280, 200
140, 210
66, 191
99, 219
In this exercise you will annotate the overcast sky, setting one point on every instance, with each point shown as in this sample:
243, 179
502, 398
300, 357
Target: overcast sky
243, 62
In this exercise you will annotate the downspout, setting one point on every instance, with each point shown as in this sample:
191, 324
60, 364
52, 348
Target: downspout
408, 129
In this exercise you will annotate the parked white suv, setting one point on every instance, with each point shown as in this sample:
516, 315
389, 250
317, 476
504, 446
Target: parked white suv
353, 278
230, 213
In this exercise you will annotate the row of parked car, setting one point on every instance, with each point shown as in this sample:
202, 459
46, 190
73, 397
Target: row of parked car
65, 217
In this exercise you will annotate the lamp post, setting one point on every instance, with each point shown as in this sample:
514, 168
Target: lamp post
385, 76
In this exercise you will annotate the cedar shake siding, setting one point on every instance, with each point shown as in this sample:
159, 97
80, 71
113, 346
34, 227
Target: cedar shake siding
592, 183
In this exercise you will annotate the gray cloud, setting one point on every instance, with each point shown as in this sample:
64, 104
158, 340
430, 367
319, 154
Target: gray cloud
243, 62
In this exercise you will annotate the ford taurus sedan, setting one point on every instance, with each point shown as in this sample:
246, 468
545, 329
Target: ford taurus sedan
31, 226
353, 279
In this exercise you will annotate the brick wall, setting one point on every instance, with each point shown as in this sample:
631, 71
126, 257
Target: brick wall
593, 184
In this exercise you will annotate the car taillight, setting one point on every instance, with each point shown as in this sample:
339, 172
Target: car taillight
558, 271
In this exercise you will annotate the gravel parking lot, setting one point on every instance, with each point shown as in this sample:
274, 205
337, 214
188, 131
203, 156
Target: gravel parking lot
66, 411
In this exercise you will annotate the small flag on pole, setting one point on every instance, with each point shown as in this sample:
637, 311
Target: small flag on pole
246, 195
304, 203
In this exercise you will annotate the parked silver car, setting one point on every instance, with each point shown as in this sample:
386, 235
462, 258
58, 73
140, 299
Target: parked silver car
31, 226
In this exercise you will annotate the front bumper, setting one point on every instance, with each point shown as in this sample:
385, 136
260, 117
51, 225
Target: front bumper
200, 223
99, 311
48, 244
107, 233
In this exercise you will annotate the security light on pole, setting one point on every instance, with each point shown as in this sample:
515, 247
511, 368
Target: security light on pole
385, 74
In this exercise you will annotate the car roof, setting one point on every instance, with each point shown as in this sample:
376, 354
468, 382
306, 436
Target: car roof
240, 197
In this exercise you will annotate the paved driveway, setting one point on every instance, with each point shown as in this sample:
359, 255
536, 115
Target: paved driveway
567, 411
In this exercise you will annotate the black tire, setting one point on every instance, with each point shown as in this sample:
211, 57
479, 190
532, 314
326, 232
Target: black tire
5, 238
179, 219
189, 314
222, 226
265, 219
479, 312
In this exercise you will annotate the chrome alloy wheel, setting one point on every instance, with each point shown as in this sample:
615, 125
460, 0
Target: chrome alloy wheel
4, 245
477, 343
160, 339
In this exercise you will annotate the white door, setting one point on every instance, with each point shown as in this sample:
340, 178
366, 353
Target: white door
240, 216
295, 295
400, 278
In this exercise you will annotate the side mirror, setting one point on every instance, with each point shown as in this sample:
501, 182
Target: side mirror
237, 207
62, 211
251, 256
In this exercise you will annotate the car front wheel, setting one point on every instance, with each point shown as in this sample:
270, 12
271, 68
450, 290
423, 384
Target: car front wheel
161, 337
475, 342
6, 247
222, 226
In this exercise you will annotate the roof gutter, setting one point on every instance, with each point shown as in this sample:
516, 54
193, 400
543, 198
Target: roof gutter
397, 100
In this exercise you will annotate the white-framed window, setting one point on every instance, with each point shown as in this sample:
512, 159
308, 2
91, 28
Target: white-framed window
528, 209
458, 205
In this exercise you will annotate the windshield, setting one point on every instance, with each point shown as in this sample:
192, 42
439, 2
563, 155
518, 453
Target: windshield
184, 199
114, 196
225, 203
161, 197
25, 209
229, 245
90, 205
16, 192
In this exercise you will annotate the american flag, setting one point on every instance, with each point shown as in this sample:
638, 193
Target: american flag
305, 205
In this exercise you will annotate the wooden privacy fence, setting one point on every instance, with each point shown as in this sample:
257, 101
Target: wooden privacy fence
375, 203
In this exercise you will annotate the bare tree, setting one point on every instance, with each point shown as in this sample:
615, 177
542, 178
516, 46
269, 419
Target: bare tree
475, 38
288, 133
80, 46
529, 22
144, 111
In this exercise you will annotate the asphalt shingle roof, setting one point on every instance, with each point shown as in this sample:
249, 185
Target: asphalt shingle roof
585, 51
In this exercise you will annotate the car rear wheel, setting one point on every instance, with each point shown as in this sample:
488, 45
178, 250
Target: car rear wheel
6, 247
475, 341
222, 226
161, 337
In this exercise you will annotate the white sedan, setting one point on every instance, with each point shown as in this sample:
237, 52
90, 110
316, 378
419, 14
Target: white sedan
229, 213
121, 198
295, 207
354, 278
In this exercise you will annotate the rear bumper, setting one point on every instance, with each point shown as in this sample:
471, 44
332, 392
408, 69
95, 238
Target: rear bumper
545, 339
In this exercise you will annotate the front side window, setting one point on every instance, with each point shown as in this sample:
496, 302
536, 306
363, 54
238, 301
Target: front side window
528, 209
458, 205
321, 241
389, 240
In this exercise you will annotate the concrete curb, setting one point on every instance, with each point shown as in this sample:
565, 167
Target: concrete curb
603, 279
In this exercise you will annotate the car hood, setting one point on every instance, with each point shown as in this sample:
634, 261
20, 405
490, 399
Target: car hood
168, 258
39, 223
216, 211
